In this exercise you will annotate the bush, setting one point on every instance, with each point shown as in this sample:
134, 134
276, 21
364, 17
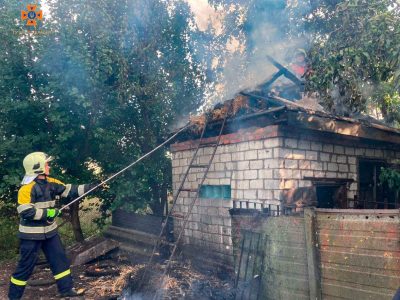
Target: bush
8, 238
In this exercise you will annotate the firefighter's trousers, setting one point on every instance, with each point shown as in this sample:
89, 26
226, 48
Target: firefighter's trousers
55, 255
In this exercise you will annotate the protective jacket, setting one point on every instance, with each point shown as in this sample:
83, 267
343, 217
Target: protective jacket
33, 201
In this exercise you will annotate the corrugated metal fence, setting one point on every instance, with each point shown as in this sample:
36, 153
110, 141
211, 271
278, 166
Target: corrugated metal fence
328, 254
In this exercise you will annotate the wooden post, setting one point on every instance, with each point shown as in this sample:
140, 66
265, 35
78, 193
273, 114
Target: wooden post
314, 276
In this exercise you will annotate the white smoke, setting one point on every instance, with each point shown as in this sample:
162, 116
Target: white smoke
234, 64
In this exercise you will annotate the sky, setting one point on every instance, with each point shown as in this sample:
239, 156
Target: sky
202, 10
205, 13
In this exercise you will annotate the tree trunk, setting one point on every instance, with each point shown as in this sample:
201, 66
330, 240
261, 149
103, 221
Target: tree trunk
76, 224
156, 205
164, 200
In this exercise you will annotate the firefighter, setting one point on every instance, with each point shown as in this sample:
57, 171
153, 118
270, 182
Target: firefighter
37, 230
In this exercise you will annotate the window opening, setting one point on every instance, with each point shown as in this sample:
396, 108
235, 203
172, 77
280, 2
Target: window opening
373, 194
215, 192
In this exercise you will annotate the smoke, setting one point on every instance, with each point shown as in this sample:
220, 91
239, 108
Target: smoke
252, 29
126, 295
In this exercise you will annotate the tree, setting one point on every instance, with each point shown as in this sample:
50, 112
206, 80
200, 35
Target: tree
355, 56
353, 48
109, 84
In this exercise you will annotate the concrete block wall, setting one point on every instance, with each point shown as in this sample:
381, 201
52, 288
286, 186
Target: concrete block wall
248, 167
309, 158
260, 171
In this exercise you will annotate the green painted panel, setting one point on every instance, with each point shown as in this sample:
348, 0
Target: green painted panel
215, 192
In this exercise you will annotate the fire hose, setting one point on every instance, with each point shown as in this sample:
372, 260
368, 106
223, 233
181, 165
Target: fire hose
124, 169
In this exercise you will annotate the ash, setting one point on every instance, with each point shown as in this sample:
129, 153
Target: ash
183, 281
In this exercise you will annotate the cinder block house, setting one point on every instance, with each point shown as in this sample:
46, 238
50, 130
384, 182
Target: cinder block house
284, 157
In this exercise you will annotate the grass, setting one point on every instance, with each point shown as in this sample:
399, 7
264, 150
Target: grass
9, 229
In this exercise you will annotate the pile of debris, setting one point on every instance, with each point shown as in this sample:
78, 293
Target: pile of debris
230, 108
183, 281
248, 103
119, 275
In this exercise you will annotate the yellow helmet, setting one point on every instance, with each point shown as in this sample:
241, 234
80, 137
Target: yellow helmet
34, 164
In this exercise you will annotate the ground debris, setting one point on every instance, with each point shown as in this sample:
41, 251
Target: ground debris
182, 282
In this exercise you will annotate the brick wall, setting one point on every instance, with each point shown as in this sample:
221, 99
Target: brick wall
259, 171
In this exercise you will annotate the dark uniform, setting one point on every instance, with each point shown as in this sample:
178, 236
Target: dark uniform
37, 233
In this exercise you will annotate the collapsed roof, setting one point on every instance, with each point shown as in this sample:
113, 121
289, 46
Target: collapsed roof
250, 110
262, 107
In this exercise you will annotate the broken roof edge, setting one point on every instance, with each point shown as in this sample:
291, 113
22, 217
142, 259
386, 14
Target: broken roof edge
362, 131
346, 119
294, 106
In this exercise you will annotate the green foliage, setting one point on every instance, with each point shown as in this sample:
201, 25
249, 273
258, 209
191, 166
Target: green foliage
391, 177
353, 48
105, 84
355, 55
8, 238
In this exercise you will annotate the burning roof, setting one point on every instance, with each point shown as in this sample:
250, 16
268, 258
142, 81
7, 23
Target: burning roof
265, 106
253, 110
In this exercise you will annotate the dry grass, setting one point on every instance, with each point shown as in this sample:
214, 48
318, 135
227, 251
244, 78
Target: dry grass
182, 281
220, 111
126, 275
198, 123
240, 102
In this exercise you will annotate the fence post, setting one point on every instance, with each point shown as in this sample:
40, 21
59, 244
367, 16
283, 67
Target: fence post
314, 278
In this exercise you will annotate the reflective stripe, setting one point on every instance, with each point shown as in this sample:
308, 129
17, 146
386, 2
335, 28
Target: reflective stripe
24, 207
66, 191
50, 179
46, 204
63, 274
18, 282
81, 189
38, 214
37, 229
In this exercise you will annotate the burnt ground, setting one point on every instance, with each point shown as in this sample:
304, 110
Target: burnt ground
117, 274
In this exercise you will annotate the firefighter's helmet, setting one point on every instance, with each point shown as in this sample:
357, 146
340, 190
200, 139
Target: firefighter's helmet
34, 164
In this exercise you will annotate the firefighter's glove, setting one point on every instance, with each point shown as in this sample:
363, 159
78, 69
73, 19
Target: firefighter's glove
52, 213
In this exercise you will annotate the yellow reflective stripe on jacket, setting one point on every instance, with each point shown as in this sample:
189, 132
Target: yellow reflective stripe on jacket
62, 274
37, 229
18, 282
45, 204
51, 179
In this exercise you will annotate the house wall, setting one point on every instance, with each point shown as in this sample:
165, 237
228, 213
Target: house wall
260, 168
247, 167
